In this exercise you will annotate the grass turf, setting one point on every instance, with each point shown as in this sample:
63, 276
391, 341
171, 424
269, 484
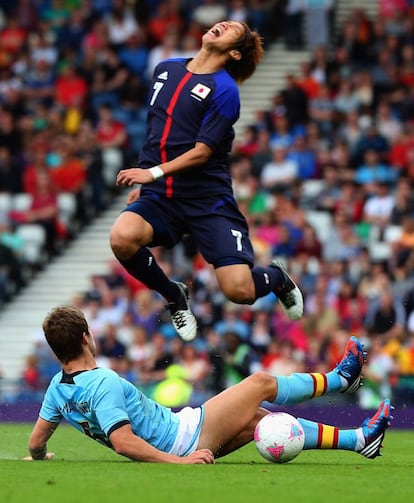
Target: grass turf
84, 471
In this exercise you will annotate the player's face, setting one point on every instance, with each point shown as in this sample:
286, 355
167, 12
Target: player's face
224, 35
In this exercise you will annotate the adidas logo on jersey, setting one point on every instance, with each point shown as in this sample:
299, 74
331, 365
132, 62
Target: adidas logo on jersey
163, 76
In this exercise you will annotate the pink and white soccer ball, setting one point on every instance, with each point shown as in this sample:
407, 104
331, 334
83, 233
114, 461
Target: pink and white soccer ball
279, 437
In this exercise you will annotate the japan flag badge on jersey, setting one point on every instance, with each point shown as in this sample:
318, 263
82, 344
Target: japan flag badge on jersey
201, 91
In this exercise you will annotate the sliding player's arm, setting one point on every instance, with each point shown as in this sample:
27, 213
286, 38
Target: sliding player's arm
41, 433
126, 443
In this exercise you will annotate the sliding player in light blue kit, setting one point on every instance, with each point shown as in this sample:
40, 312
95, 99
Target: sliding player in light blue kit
109, 409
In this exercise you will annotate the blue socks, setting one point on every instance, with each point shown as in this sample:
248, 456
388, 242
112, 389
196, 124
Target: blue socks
323, 436
297, 388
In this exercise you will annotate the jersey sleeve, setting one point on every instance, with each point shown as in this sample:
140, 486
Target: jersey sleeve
49, 410
223, 112
109, 404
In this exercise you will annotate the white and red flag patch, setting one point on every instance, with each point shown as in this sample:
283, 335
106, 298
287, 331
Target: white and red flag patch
201, 90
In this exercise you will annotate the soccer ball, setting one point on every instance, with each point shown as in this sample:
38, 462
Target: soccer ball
279, 437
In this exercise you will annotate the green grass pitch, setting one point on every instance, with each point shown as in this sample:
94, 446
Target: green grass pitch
84, 471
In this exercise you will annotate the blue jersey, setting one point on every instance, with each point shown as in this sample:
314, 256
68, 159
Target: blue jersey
99, 401
186, 108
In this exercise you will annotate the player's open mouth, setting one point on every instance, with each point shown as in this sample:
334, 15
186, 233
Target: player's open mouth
216, 31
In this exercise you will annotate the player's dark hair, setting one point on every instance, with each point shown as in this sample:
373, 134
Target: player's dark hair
251, 49
64, 327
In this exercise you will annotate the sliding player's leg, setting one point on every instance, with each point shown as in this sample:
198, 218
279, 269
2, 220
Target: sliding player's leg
231, 416
366, 440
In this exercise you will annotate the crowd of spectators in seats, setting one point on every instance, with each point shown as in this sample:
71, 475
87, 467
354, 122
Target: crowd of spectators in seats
324, 176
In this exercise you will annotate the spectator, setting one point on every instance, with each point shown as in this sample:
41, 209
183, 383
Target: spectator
168, 48
318, 22
295, 100
209, 12
371, 140
11, 173
378, 372
134, 54
166, 20
238, 358
109, 345
403, 202
232, 322
71, 88
195, 366
388, 125
280, 172
161, 359
121, 23
43, 210
403, 391
321, 110
403, 247
106, 78
144, 311
139, 351
294, 24
309, 244
304, 157
386, 317
373, 171
378, 207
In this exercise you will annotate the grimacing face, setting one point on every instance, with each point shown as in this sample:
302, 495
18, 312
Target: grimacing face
225, 34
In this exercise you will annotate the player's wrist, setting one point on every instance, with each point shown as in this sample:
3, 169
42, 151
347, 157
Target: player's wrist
156, 172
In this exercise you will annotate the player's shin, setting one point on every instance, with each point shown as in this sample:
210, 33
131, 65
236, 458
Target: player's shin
323, 436
143, 267
300, 387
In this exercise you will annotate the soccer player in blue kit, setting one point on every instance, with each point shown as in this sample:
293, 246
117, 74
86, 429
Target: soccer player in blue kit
112, 411
185, 180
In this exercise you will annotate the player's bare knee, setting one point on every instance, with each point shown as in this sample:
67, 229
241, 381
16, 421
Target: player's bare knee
239, 294
122, 243
265, 381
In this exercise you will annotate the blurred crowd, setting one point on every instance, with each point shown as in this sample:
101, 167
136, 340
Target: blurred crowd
74, 79
324, 177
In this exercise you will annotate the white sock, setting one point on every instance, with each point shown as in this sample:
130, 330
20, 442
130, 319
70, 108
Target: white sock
360, 443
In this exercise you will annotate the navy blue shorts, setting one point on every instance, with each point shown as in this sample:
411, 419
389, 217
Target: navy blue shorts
217, 226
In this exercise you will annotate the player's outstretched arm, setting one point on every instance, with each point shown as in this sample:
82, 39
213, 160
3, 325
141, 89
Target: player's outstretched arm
126, 443
41, 433
196, 156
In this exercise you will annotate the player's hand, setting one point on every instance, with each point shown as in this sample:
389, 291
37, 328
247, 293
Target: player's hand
133, 196
131, 176
200, 457
48, 455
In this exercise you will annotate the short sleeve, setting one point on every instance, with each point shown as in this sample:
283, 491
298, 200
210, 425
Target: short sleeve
223, 113
49, 410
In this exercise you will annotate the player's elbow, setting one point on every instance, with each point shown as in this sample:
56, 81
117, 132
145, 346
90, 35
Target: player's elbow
121, 445
202, 153
121, 449
37, 451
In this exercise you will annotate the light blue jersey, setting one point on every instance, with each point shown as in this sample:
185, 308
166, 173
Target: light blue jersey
99, 401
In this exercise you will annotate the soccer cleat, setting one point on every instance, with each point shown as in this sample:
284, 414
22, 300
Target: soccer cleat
182, 318
374, 430
289, 295
351, 364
